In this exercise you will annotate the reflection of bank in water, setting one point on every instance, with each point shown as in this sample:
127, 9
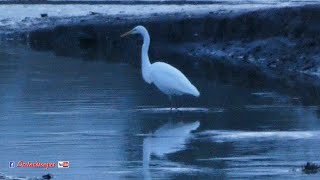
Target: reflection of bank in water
167, 139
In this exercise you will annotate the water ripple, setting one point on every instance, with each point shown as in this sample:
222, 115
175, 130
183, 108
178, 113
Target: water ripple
223, 135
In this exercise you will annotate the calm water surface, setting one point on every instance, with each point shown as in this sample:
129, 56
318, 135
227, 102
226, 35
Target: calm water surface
108, 123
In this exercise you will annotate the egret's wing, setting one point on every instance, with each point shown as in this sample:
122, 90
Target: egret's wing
165, 76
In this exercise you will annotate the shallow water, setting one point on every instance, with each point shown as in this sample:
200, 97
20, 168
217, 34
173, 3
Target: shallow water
108, 123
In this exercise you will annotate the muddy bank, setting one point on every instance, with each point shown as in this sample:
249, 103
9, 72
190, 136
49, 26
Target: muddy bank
124, 2
299, 24
277, 46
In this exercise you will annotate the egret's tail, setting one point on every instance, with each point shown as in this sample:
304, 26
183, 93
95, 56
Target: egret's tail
194, 91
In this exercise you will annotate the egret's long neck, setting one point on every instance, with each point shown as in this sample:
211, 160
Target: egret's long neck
145, 50
145, 62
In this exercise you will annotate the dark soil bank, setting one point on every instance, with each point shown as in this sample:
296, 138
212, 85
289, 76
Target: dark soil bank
116, 2
274, 46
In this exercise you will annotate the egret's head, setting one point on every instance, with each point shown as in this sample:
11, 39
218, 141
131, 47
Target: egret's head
135, 30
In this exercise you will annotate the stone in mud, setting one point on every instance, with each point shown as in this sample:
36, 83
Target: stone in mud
47, 176
311, 168
44, 15
94, 13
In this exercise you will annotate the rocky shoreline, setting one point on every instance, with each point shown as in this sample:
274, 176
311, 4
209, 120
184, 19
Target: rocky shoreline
263, 46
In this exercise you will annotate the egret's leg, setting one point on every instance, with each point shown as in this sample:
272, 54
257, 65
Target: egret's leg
170, 99
177, 104
174, 103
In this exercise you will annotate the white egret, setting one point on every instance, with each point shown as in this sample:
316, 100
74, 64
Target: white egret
168, 79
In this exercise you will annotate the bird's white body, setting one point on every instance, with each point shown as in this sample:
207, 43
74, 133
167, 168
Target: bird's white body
165, 77
170, 80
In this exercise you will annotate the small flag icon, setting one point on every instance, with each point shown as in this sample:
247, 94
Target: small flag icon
63, 164
11, 164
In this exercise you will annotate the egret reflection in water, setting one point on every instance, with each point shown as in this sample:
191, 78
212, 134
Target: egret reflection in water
167, 139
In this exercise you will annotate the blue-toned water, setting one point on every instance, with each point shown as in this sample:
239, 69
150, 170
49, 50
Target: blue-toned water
109, 124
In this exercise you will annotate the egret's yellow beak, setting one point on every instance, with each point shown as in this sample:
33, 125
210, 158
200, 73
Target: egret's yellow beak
127, 33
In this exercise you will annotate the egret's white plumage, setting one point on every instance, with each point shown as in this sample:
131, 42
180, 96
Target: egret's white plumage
165, 77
